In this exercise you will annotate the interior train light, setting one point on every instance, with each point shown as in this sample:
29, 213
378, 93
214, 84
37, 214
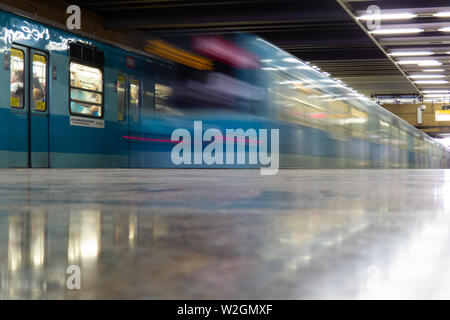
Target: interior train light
411, 53
396, 31
446, 29
388, 16
433, 70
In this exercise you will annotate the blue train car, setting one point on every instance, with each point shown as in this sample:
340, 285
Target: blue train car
74, 102
69, 101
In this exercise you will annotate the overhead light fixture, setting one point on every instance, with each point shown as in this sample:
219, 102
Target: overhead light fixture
436, 91
388, 16
421, 62
446, 29
436, 95
411, 53
442, 14
431, 81
433, 70
291, 60
396, 31
426, 76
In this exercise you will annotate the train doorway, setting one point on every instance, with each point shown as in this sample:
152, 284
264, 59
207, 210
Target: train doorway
129, 118
134, 123
29, 118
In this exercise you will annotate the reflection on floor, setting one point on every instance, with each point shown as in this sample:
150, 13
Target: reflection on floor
231, 234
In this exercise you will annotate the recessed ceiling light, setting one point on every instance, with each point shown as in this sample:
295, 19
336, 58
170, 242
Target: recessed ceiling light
426, 76
446, 29
436, 91
411, 53
388, 16
291, 60
397, 31
303, 67
433, 70
442, 14
431, 81
421, 62
436, 95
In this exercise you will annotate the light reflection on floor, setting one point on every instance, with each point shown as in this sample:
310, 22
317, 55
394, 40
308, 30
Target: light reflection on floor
231, 234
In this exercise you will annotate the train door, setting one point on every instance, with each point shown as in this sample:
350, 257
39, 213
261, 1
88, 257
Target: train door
134, 123
29, 127
122, 117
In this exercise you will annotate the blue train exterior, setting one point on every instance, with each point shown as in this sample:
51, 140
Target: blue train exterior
322, 124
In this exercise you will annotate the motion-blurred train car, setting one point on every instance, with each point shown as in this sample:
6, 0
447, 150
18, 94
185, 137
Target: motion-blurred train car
74, 102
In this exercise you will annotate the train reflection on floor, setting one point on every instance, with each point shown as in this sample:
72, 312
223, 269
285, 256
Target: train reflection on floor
40, 245
301, 234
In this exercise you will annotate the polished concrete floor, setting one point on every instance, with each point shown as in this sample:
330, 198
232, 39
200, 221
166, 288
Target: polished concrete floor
225, 234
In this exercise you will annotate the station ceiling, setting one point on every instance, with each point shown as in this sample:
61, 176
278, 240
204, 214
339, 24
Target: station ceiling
326, 33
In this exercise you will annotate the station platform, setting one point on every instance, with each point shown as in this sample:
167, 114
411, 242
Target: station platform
225, 234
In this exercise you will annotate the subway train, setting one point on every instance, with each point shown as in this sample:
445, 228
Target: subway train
73, 102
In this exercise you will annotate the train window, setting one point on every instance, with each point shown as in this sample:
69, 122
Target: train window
134, 99
39, 82
358, 122
121, 98
86, 90
162, 96
17, 78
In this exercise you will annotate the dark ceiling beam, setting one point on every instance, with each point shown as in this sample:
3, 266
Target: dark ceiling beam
226, 15
110, 6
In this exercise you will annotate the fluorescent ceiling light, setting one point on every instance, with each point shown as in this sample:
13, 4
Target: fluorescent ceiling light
302, 67
411, 53
436, 91
431, 81
387, 16
426, 76
433, 70
291, 60
397, 31
446, 29
442, 14
421, 62
436, 95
